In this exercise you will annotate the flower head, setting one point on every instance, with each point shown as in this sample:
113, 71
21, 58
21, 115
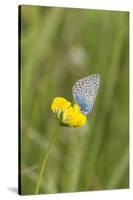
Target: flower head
66, 114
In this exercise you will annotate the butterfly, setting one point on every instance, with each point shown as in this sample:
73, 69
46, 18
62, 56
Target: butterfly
85, 92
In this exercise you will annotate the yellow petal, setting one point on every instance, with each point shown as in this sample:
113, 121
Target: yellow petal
73, 117
60, 104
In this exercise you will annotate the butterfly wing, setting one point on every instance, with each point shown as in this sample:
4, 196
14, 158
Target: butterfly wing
85, 91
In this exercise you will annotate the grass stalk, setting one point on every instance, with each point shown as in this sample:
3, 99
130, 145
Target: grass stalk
44, 163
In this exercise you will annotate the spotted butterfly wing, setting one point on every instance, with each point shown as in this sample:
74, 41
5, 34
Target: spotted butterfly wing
85, 91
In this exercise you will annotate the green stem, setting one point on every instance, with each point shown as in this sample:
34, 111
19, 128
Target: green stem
43, 166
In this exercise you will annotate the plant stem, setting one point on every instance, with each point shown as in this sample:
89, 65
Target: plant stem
43, 166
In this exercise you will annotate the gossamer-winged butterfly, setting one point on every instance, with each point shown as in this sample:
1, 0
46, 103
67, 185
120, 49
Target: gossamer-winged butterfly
85, 91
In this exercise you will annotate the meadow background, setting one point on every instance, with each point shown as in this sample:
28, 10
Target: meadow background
58, 46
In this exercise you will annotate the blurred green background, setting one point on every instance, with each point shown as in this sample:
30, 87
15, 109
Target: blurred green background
58, 47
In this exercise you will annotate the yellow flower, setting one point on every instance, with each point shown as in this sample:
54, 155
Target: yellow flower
66, 114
